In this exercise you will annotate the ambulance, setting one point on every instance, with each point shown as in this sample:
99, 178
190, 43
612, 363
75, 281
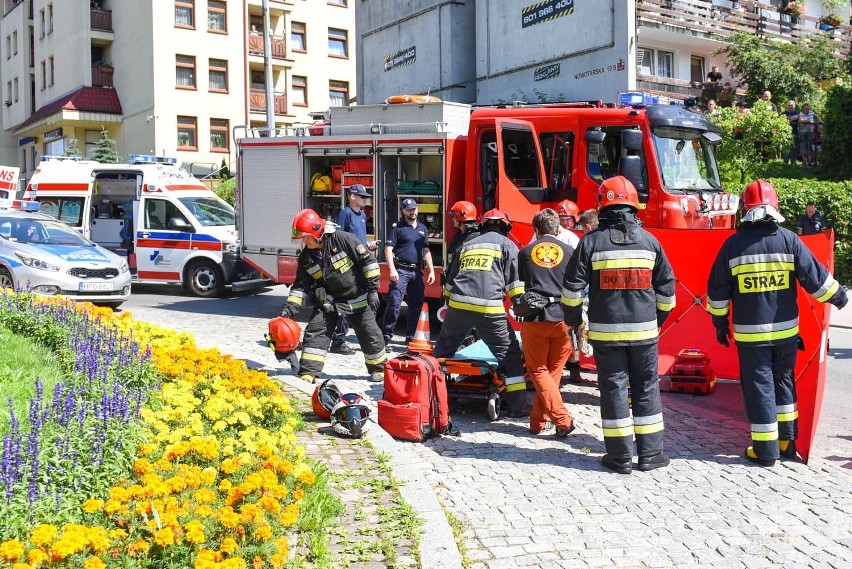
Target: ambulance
9, 182
169, 225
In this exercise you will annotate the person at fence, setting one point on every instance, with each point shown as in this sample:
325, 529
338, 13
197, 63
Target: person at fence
792, 115
631, 292
406, 249
541, 266
811, 221
483, 270
714, 76
753, 282
342, 277
807, 123
568, 213
351, 219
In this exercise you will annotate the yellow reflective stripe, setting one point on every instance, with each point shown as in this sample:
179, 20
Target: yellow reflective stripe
717, 311
371, 274
377, 360
447, 293
623, 264
760, 267
623, 336
767, 436
829, 293
360, 304
571, 301
618, 431
512, 293
665, 306
314, 357
763, 336
317, 275
787, 417
295, 299
516, 386
481, 251
648, 429
476, 308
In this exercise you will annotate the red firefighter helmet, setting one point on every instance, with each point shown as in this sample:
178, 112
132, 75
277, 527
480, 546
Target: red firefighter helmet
463, 211
617, 190
567, 208
759, 192
284, 334
308, 222
325, 397
495, 215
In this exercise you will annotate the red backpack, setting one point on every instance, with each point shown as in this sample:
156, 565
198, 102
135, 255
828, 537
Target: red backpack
415, 404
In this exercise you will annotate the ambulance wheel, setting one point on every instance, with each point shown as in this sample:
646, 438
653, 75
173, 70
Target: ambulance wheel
6, 279
204, 279
494, 406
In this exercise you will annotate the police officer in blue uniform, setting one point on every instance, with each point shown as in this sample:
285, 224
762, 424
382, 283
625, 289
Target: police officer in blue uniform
406, 248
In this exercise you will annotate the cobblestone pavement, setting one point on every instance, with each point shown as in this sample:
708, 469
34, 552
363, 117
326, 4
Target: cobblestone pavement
538, 501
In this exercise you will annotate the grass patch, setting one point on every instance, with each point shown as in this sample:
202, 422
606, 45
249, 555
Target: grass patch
458, 528
319, 510
22, 361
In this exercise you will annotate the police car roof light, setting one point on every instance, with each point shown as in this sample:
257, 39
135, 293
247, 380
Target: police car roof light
148, 159
20, 205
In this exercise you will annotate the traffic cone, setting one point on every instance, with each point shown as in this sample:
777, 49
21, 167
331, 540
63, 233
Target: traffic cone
420, 341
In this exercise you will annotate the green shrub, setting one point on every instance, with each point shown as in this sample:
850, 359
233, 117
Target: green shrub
226, 190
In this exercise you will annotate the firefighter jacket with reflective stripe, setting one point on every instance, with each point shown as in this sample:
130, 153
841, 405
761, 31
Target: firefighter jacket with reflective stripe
344, 266
756, 270
631, 287
484, 267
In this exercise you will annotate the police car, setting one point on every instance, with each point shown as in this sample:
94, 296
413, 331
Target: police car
44, 256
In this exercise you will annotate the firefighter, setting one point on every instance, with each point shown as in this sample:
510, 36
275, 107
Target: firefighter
756, 271
463, 215
631, 292
486, 266
342, 276
541, 265
568, 213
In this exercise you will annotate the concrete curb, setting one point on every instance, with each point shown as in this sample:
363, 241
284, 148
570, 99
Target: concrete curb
438, 549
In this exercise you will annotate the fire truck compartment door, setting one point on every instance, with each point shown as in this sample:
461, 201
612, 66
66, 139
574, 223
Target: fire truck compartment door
519, 162
271, 193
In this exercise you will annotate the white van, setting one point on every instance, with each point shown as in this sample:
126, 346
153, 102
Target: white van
172, 228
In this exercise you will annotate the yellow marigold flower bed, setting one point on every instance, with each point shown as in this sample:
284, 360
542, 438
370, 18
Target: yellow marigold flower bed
216, 484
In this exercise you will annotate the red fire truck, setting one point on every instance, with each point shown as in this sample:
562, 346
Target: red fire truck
519, 158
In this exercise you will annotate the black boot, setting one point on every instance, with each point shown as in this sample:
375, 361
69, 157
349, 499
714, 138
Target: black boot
622, 467
659, 460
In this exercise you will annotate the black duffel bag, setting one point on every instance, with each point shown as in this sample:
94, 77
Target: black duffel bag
530, 304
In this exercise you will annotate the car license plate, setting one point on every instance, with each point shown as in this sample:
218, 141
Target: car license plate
89, 287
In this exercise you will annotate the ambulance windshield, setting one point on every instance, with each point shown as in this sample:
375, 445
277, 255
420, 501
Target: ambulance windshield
210, 211
686, 159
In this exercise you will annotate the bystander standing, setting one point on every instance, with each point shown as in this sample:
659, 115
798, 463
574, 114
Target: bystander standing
811, 221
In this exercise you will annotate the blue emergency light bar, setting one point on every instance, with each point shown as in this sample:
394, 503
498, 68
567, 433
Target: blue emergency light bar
148, 159
638, 98
20, 205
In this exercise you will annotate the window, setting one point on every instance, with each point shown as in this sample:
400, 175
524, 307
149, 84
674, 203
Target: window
337, 43
15, 89
92, 138
297, 37
187, 127
338, 93
299, 92
8, 90
696, 69
655, 62
50, 18
216, 16
219, 135
23, 160
8, 47
558, 151
41, 23
337, 3
184, 13
258, 80
185, 72
15, 43
43, 75
159, 212
52, 69
218, 74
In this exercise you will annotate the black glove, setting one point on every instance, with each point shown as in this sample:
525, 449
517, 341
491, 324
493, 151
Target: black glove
800, 345
840, 298
319, 295
722, 335
373, 301
289, 310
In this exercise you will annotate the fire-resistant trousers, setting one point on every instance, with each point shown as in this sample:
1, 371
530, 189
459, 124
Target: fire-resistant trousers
769, 391
636, 366
546, 348
321, 328
495, 331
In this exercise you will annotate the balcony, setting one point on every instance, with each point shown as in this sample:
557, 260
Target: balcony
102, 76
257, 102
101, 19
725, 17
278, 47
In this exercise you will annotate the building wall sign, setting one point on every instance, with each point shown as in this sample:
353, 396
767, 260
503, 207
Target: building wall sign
546, 72
545, 11
401, 58
618, 66
52, 134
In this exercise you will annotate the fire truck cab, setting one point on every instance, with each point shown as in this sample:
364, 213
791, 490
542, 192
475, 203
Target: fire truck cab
521, 159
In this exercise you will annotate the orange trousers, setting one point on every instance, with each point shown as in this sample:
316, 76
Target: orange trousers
546, 349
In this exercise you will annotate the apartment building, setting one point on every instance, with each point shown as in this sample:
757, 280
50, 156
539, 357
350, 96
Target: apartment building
165, 77
493, 51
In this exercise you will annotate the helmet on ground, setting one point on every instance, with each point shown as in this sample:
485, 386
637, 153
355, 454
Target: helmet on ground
308, 222
759, 192
463, 211
325, 397
284, 334
567, 208
349, 415
617, 190
497, 216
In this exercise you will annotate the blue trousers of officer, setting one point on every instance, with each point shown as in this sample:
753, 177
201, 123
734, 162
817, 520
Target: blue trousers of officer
410, 284
636, 366
769, 391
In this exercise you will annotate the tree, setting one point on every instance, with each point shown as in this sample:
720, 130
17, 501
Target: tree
748, 137
105, 151
837, 131
72, 150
